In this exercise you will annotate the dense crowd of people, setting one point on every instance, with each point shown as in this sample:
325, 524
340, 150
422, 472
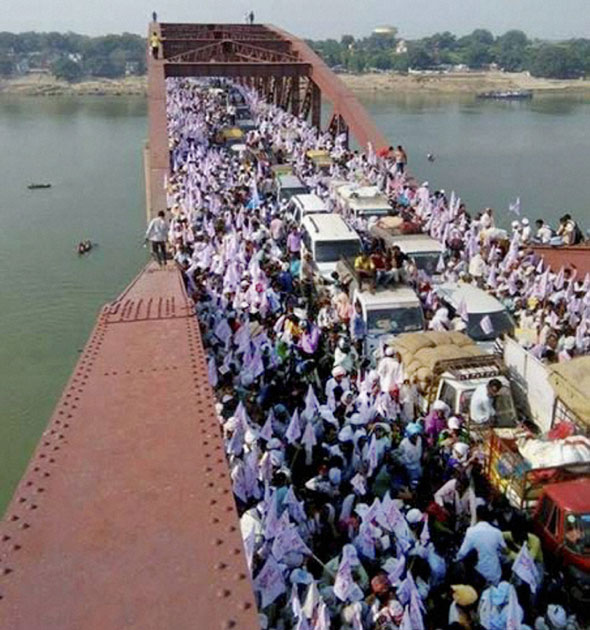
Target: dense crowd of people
357, 510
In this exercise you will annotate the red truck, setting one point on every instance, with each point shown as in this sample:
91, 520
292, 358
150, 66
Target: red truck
561, 519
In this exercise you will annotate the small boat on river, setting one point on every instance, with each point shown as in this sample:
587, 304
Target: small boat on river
38, 186
507, 94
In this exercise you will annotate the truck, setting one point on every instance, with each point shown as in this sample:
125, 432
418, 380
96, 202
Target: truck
449, 366
387, 311
561, 519
550, 394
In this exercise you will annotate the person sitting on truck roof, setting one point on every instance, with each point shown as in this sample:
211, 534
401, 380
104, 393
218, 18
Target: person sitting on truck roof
365, 269
481, 408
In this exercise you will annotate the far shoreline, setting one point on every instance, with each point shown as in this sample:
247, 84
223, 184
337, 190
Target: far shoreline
456, 83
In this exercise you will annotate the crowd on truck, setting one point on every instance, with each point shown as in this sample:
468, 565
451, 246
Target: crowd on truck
360, 330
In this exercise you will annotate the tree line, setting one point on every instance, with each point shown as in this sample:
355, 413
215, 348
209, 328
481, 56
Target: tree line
513, 52
71, 56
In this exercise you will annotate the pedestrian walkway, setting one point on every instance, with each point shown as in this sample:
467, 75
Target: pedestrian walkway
125, 517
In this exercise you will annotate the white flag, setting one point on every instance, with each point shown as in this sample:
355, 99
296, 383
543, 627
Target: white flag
287, 541
524, 566
293, 432
266, 431
515, 207
312, 600
513, 612
486, 325
295, 602
269, 582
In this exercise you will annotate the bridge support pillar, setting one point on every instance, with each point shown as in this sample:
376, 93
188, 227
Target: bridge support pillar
295, 96
316, 106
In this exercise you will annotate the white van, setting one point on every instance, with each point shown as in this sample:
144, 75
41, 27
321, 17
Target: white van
487, 318
328, 238
289, 185
302, 205
362, 202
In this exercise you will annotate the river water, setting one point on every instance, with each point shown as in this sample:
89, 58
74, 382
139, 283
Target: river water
90, 150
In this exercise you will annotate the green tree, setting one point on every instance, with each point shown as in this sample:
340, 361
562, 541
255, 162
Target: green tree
67, 70
556, 62
419, 56
400, 63
7, 65
346, 41
511, 50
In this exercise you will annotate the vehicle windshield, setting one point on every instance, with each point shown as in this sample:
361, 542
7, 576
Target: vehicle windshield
577, 533
500, 321
426, 261
503, 403
397, 320
371, 212
287, 193
332, 251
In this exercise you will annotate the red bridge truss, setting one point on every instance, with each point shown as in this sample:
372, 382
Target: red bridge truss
281, 67
125, 516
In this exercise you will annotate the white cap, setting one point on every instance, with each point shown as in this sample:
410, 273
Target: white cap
346, 434
515, 224
460, 449
338, 371
414, 516
525, 221
454, 423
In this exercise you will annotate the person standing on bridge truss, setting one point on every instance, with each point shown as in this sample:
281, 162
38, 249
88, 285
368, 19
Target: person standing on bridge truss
155, 44
157, 234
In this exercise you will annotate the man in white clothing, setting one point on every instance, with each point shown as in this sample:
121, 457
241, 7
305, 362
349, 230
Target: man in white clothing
481, 408
156, 234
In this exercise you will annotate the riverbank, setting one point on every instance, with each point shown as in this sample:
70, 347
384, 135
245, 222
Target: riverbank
452, 83
47, 85
461, 83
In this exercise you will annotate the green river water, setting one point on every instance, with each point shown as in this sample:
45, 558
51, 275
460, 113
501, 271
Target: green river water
90, 150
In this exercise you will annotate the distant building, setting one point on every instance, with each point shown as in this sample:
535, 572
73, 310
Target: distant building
401, 47
389, 31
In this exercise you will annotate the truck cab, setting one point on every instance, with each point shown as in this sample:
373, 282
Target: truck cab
389, 312
456, 387
561, 519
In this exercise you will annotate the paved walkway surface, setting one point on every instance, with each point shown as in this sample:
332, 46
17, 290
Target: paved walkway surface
125, 517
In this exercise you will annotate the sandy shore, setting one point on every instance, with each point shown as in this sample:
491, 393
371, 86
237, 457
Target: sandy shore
46, 85
455, 83
461, 83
